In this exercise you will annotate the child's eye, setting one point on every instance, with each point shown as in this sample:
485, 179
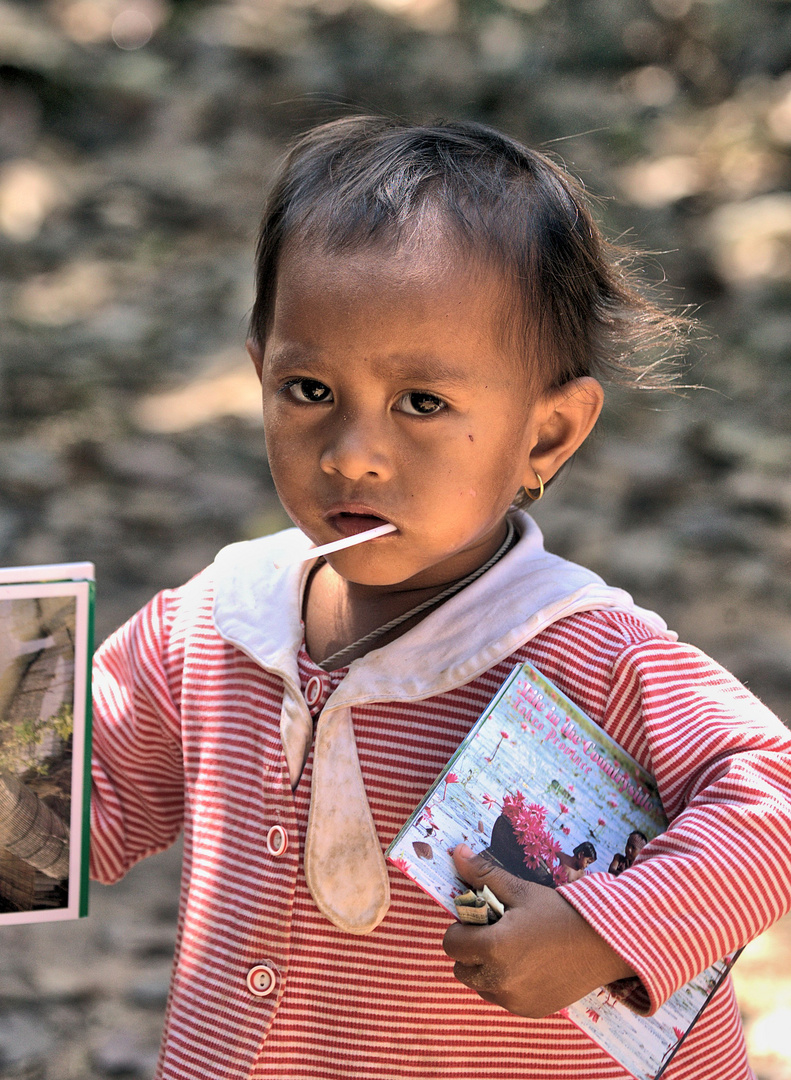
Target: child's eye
417, 403
309, 391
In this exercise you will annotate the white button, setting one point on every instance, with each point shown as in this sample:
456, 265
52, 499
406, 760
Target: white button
313, 691
262, 979
276, 840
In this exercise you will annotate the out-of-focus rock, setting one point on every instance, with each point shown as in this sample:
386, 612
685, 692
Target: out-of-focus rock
151, 991
28, 193
751, 241
152, 461
124, 1053
64, 296
29, 468
224, 391
662, 181
23, 1038
727, 443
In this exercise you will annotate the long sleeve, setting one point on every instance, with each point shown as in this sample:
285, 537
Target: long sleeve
720, 874
137, 793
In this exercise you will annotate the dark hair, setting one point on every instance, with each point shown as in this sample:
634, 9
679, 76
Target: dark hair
587, 849
636, 832
569, 294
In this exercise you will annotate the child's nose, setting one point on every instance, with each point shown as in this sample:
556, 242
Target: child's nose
357, 448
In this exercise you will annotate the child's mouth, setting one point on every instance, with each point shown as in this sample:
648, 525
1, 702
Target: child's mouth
349, 524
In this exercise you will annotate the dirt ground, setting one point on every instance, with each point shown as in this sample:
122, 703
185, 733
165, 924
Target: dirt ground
762, 977
134, 156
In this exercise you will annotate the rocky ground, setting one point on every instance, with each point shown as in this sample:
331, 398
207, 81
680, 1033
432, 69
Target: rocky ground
136, 138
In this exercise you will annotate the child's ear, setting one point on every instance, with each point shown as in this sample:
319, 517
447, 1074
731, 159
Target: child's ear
256, 354
562, 419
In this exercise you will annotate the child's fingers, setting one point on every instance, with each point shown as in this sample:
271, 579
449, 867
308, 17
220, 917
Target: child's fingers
475, 957
480, 951
476, 978
463, 944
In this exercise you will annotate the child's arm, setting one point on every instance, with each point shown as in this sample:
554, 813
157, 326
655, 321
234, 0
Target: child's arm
137, 770
539, 957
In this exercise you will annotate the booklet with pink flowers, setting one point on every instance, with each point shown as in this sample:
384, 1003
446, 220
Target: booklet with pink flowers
546, 793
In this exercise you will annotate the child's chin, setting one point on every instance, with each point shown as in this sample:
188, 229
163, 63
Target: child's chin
360, 574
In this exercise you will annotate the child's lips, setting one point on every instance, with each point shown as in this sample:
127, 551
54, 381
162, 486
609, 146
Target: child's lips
347, 523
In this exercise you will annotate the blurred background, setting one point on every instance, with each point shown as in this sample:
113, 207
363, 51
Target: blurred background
136, 141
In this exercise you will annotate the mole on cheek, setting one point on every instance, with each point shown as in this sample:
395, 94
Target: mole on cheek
471, 438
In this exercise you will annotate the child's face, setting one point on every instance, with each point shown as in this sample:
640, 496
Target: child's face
634, 845
388, 397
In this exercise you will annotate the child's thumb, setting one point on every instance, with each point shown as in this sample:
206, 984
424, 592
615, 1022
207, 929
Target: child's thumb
478, 871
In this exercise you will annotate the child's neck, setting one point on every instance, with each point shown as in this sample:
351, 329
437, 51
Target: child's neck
338, 612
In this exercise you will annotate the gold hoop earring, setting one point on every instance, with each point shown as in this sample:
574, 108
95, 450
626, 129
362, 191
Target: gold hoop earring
535, 498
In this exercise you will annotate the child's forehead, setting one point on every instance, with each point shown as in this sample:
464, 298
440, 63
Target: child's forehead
392, 302
422, 271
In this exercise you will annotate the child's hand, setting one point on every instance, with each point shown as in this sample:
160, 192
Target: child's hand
539, 957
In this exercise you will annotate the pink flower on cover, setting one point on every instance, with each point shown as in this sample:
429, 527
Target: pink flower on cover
553, 848
488, 801
563, 808
503, 735
533, 852
593, 1015
524, 725
565, 829
402, 864
602, 822
541, 850
451, 778
678, 1032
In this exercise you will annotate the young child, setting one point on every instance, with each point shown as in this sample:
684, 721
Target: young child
434, 308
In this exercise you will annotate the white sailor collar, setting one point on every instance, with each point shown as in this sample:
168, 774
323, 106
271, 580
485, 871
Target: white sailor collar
257, 607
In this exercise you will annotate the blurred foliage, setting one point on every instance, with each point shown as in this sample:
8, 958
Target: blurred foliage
63, 722
21, 746
21, 742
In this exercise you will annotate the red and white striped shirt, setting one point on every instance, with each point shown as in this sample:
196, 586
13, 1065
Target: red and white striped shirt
188, 734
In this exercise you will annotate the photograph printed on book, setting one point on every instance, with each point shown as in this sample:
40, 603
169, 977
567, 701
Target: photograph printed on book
544, 792
45, 630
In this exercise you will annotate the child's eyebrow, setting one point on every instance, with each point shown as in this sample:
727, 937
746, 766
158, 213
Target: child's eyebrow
425, 369
414, 370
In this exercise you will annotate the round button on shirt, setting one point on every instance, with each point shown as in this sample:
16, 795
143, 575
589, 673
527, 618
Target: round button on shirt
262, 979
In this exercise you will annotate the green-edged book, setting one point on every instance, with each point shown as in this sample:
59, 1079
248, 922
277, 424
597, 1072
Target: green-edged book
46, 642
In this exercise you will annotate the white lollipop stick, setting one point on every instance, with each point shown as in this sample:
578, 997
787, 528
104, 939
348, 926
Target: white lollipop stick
344, 542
